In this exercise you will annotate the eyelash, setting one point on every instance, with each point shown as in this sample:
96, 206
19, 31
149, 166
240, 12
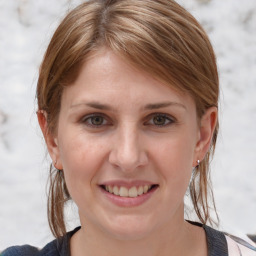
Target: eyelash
88, 120
166, 117
150, 120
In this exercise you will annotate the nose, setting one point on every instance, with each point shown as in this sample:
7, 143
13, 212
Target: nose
127, 150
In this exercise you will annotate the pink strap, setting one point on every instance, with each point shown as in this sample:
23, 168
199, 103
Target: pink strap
236, 249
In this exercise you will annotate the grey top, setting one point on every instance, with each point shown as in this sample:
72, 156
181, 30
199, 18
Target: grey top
216, 241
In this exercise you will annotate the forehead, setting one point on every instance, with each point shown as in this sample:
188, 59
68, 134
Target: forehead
108, 77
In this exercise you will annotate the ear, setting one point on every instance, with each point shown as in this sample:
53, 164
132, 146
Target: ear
206, 130
50, 139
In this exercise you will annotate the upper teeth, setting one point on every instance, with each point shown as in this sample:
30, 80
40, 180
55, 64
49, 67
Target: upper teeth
125, 192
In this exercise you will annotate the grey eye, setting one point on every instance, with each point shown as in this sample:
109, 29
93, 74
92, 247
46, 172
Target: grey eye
96, 120
160, 120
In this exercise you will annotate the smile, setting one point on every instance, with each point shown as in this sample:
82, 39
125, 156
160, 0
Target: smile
123, 194
128, 192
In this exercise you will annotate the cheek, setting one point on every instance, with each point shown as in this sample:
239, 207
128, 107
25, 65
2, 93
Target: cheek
175, 159
81, 158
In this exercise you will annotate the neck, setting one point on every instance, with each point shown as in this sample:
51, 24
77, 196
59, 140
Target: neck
180, 238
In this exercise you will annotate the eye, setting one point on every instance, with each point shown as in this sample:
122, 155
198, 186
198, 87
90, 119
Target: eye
95, 120
160, 120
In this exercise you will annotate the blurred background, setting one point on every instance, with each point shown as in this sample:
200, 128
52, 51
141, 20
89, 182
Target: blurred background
25, 29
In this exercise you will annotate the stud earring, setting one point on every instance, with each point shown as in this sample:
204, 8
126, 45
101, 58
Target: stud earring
55, 163
198, 162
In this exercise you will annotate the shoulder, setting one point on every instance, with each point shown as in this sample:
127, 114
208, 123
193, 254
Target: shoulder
28, 250
238, 246
223, 244
58, 247
220, 243
20, 250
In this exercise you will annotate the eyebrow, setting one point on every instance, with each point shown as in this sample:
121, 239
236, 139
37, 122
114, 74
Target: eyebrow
152, 106
93, 104
163, 105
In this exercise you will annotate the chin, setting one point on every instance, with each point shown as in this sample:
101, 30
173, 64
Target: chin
129, 228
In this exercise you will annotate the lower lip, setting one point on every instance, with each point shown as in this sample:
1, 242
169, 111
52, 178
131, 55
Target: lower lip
129, 201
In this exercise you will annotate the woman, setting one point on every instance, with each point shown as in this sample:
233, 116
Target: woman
128, 106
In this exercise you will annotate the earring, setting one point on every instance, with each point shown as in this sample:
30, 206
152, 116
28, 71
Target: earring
198, 162
55, 166
55, 163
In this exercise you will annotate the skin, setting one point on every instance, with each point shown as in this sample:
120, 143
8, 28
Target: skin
141, 131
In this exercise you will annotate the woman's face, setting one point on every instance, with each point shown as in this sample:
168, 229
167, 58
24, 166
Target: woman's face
127, 145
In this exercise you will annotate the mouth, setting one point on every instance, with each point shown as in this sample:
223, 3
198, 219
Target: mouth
132, 192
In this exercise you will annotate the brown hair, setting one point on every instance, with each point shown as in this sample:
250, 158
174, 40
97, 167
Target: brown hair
159, 37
